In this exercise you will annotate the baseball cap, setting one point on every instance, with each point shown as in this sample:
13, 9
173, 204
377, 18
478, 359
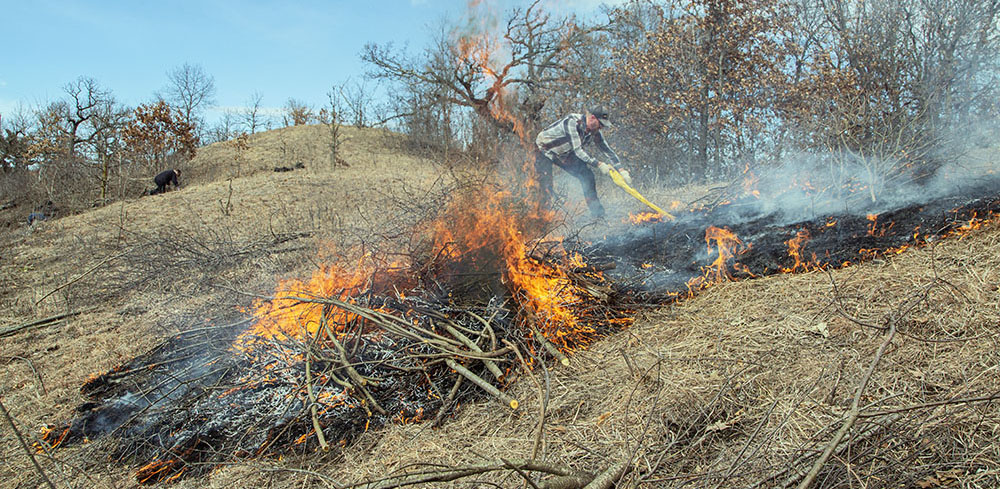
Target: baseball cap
602, 115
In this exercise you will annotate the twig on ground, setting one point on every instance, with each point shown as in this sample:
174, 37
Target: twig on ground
45, 321
852, 414
24, 445
447, 401
486, 386
84, 274
950, 402
490, 364
313, 408
37, 376
606, 479
446, 474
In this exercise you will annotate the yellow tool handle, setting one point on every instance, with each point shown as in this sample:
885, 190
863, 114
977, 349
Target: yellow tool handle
617, 178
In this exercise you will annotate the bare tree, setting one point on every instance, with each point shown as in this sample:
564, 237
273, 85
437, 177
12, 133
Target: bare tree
357, 100
331, 115
253, 117
918, 73
190, 90
226, 128
503, 77
88, 114
75, 141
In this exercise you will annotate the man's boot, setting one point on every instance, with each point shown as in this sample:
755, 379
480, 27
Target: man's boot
596, 209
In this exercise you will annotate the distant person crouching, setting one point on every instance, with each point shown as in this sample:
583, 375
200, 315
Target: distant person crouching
36, 217
42, 213
166, 178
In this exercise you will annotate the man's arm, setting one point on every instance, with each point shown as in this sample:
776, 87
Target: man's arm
606, 149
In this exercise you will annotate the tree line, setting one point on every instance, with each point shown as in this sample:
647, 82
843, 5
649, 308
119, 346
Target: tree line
87, 148
704, 89
701, 91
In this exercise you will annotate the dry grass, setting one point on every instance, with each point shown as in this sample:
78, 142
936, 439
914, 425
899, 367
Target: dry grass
732, 385
722, 390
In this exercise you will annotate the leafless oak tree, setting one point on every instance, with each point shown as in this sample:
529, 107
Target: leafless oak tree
253, 117
190, 90
503, 77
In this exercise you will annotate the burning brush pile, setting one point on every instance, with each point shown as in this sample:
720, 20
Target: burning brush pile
353, 348
356, 347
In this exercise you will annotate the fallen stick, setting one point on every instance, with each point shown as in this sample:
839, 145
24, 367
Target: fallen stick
549, 347
486, 386
84, 274
44, 321
313, 408
447, 474
353, 374
606, 479
37, 376
447, 402
490, 364
24, 445
852, 414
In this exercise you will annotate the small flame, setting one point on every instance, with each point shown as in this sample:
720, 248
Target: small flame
645, 217
796, 246
727, 245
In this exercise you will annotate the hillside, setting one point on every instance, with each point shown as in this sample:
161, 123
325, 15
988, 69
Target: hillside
731, 388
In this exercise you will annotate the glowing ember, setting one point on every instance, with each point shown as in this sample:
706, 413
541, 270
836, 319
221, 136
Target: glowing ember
644, 217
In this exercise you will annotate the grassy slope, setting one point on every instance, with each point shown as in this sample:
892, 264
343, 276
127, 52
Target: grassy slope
756, 367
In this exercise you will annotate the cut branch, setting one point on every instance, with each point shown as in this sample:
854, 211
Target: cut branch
486, 386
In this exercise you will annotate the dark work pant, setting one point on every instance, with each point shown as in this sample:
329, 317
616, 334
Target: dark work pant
574, 166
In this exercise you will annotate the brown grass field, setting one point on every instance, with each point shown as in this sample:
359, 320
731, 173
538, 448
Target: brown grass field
727, 389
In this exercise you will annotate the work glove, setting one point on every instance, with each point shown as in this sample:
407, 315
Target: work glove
604, 168
626, 176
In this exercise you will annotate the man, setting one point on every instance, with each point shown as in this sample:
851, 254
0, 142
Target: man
562, 144
166, 178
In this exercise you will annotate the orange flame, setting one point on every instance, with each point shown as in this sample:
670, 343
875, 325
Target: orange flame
727, 245
795, 247
644, 217
286, 315
491, 231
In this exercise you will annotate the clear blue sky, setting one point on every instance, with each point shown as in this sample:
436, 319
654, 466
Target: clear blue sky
281, 49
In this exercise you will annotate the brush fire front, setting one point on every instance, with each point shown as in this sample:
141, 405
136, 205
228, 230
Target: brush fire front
349, 350
316, 367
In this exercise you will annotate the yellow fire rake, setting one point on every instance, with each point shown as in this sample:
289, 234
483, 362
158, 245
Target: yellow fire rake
617, 178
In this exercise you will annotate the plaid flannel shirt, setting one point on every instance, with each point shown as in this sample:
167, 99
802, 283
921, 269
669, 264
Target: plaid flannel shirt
569, 135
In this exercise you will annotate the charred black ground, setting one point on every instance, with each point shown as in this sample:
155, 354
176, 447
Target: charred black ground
658, 259
201, 399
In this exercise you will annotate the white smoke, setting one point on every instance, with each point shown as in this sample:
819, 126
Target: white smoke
808, 186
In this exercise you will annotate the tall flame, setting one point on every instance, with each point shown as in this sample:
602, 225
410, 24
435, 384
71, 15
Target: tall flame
490, 230
727, 245
796, 246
